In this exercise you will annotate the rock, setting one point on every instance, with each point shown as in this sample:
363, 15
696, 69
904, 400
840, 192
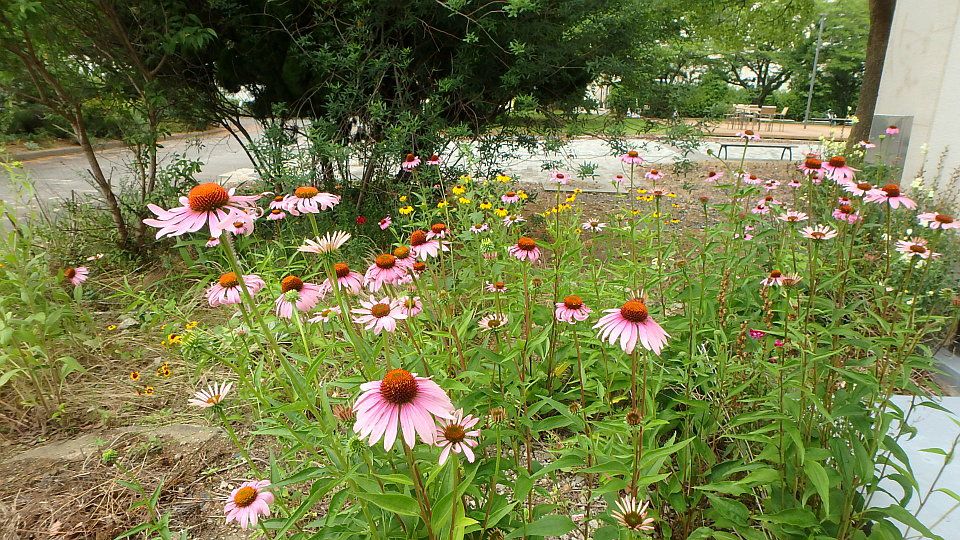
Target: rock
128, 322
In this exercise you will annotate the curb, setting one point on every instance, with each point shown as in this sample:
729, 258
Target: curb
108, 145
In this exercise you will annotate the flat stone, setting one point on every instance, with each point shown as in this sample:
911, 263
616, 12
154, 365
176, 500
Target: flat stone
92, 444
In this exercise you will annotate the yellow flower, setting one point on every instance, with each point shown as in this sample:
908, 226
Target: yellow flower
459, 190
564, 207
641, 191
406, 210
443, 204
111, 327
134, 376
149, 391
672, 195
501, 212
174, 339
674, 221
486, 206
164, 370
522, 194
571, 198
635, 212
577, 191
503, 179
466, 179
464, 200
656, 214
191, 325
403, 198
675, 205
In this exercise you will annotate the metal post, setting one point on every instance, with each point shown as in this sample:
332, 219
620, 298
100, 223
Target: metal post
813, 73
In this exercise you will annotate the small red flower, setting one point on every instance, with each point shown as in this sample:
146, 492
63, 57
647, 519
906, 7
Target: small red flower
361, 220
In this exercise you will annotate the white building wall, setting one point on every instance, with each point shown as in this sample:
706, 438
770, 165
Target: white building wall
921, 79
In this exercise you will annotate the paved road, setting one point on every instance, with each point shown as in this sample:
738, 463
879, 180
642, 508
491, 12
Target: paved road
59, 178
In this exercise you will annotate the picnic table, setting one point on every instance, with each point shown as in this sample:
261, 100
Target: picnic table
784, 148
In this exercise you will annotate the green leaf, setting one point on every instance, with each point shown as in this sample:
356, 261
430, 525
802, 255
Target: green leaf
396, 503
818, 477
551, 525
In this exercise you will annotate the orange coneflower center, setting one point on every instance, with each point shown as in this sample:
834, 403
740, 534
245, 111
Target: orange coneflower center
276, 211
398, 387
499, 285
838, 161
230, 279
526, 243
753, 177
419, 266
438, 228
594, 224
917, 248
573, 302
494, 323
892, 190
454, 433
812, 163
342, 269
561, 175
633, 153
238, 224
634, 311
291, 283
207, 196
864, 186
410, 303
776, 274
411, 157
846, 209
401, 252
768, 198
943, 218
819, 235
306, 192
278, 198
511, 194
711, 174
70, 273
418, 237
434, 157
245, 496
214, 399
793, 217
654, 171
380, 310
385, 261
748, 132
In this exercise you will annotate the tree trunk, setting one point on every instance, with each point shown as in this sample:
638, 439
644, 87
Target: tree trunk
881, 19
113, 205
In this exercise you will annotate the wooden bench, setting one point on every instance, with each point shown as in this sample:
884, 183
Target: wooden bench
784, 149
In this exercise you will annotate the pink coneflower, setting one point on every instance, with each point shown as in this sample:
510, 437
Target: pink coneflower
936, 220
513, 219
859, 189
810, 165
347, 279
208, 204
510, 197
771, 185
713, 176
560, 177
866, 145
892, 130
433, 160
769, 200
276, 214
456, 435
594, 225
385, 223
751, 179
76, 275
404, 400
525, 249
492, 322
632, 157
325, 315
211, 396
571, 310
479, 228
818, 232
774, 279
239, 223
837, 170
309, 200
226, 290
633, 515
618, 180
748, 135
248, 503
747, 236
844, 200
410, 162
757, 334
630, 324
890, 194
437, 230
846, 212
794, 183
760, 209
379, 315
423, 247
792, 216
411, 306
404, 256
213, 241
384, 271
328, 243
653, 174
915, 247
278, 203
294, 293
496, 287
